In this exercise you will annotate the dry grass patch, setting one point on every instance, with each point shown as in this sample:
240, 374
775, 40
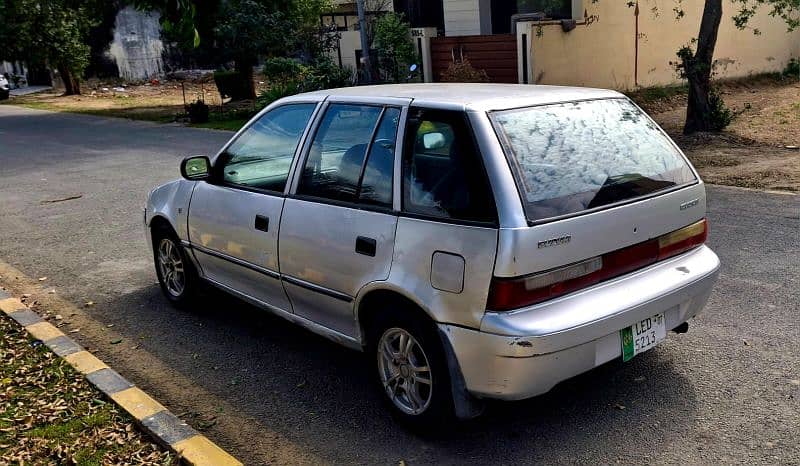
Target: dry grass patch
752, 152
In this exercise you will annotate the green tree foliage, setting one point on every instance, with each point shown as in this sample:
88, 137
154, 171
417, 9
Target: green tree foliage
245, 30
49, 32
393, 45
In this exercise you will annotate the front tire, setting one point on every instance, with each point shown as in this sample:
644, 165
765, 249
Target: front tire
412, 371
176, 274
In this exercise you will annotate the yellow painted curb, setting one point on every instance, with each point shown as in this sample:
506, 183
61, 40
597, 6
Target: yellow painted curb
43, 331
85, 362
137, 403
200, 451
10, 305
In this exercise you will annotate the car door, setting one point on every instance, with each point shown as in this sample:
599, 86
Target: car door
338, 226
234, 219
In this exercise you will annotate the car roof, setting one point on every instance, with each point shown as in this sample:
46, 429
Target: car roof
469, 96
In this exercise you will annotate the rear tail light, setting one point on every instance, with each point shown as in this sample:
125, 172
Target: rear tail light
512, 293
682, 240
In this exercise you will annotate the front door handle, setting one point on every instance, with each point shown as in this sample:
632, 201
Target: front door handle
366, 246
262, 223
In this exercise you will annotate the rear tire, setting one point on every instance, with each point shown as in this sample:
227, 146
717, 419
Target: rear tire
409, 361
176, 274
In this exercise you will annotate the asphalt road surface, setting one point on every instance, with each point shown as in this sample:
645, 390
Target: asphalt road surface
728, 391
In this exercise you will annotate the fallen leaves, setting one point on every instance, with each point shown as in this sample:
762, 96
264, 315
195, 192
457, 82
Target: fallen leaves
49, 414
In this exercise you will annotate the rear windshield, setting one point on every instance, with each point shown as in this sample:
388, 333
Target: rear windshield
576, 156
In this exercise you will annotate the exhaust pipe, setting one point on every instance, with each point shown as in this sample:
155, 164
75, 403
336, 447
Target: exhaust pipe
682, 328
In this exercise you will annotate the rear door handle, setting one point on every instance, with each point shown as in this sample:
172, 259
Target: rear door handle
262, 223
366, 246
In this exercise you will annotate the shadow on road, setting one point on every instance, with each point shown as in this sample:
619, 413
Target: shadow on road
320, 395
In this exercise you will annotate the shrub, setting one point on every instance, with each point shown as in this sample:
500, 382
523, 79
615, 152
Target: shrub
198, 111
721, 116
792, 69
230, 84
288, 77
464, 72
277, 91
282, 69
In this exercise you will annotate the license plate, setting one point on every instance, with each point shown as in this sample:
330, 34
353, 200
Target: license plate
642, 336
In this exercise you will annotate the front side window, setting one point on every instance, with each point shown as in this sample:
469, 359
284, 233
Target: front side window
262, 155
577, 156
443, 175
351, 158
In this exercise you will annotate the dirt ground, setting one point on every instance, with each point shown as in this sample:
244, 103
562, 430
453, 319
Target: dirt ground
759, 149
161, 101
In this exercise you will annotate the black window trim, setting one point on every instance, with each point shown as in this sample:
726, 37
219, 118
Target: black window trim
306, 149
345, 204
495, 223
217, 180
512, 163
367, 153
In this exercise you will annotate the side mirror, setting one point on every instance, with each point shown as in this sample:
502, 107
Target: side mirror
196, 168
432, 141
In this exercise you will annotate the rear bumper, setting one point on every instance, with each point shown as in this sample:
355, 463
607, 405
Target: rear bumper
524, 353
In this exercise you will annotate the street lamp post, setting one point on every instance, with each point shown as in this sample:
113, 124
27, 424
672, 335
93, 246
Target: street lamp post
362, 26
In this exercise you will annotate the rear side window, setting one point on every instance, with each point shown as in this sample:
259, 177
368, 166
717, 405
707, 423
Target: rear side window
577, 156
443, 175
351, 158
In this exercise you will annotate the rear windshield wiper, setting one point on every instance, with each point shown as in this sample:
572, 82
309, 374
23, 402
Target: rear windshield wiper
626, 186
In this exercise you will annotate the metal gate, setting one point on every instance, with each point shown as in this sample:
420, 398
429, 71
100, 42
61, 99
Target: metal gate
496, 54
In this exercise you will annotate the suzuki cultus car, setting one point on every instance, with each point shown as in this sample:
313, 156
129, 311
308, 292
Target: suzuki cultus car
477, 240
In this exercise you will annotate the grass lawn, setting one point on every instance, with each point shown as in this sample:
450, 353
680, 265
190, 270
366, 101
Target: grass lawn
49, 414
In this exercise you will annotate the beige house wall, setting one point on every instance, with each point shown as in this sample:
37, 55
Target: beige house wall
602, 53
348, 44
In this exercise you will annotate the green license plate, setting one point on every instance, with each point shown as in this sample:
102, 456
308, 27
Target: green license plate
642, 336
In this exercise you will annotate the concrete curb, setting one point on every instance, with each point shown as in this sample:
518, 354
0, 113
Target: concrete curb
177, 436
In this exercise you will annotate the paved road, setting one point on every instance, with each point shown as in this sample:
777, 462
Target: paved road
728, 391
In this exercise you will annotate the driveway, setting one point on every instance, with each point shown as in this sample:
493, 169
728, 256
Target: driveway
71, 192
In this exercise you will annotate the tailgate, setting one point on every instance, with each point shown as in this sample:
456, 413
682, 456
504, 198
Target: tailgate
527, 250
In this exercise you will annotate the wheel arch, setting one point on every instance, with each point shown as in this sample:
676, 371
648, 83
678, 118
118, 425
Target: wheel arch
160, 221
368, 302
367, 308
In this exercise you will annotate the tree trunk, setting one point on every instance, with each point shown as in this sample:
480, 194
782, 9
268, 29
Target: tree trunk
245, 88
698, 66
71, 85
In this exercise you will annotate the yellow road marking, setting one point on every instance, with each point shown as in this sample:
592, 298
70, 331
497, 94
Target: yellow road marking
85, 362
10, 305
137, 402
200, 451
43, 331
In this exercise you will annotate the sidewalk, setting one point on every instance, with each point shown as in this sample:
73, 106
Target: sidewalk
29, 90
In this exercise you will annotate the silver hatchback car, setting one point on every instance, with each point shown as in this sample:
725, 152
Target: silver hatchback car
477, 240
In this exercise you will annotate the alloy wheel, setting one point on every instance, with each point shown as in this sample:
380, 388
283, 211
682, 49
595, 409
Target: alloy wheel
170, 264
404, 371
